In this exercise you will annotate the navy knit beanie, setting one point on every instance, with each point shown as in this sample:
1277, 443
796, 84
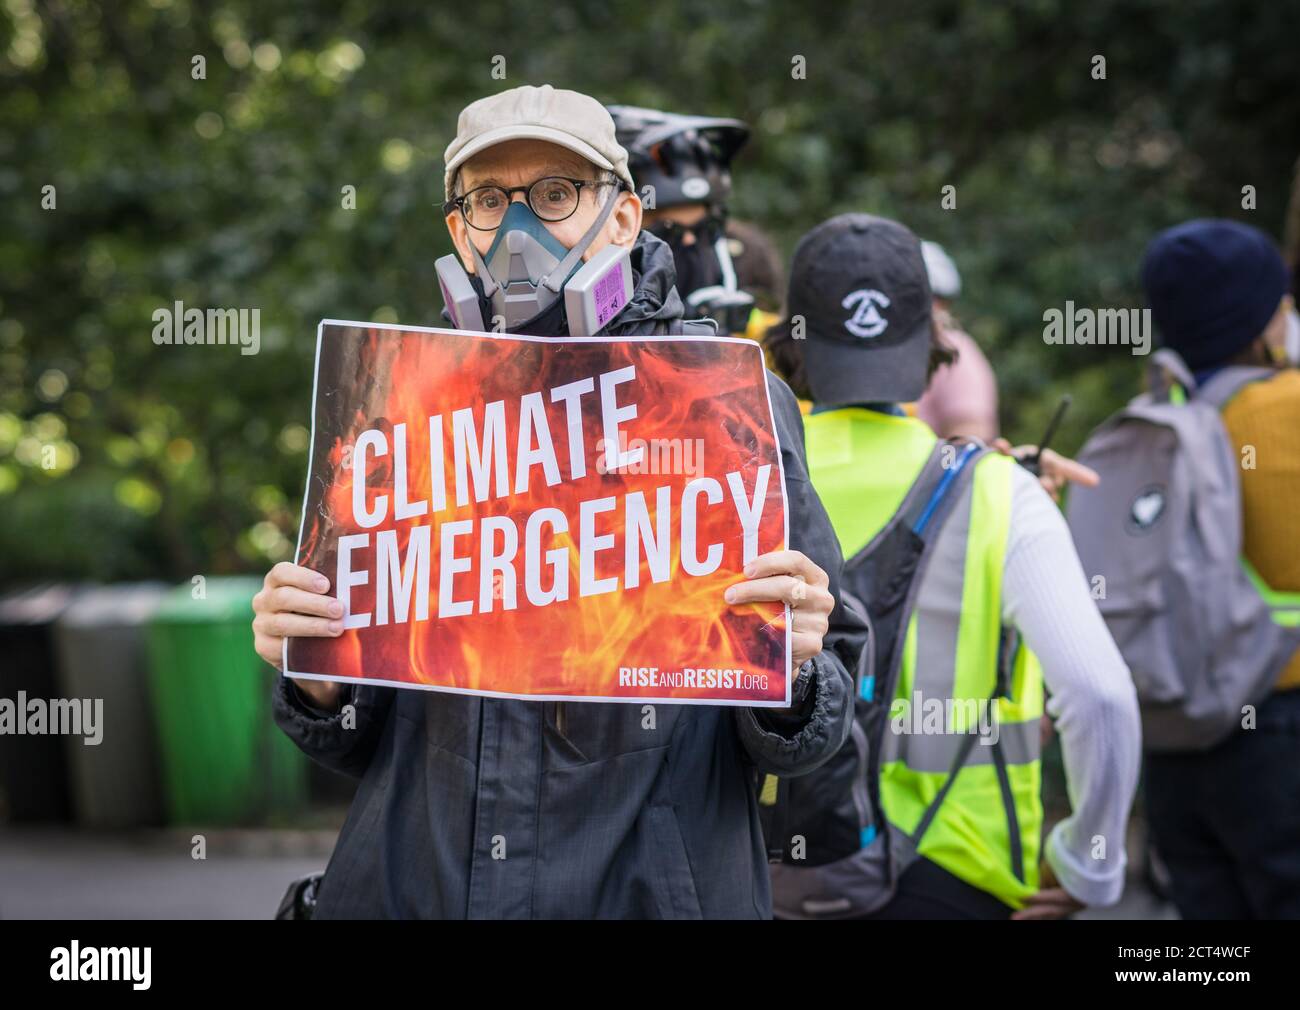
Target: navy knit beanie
1212, 287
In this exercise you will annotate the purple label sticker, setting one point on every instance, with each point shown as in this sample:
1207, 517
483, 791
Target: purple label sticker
609, 296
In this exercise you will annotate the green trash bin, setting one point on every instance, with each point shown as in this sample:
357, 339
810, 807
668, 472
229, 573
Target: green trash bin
224, 760
101, 651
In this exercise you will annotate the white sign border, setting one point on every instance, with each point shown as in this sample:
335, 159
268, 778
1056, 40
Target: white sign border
479, 692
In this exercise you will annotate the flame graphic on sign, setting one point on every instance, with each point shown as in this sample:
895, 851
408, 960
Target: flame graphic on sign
375, 377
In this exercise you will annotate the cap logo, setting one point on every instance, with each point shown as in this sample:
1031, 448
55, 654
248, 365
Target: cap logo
695, 188
866, 321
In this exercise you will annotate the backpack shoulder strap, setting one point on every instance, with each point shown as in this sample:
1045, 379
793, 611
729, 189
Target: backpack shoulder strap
926, 514
1167, 370
926, 505
885, 575
1228, 382
958, 763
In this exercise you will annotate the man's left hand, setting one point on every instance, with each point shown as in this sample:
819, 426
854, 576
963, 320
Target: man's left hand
790, 577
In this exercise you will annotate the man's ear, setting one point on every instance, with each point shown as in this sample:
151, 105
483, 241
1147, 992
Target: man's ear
624, 224
460, 239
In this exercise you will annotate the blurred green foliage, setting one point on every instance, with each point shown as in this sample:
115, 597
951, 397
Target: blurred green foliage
119, 458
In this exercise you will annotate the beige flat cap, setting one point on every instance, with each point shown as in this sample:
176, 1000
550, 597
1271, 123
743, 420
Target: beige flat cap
568, 118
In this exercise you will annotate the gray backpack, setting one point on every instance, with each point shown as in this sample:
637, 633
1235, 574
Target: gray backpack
1163, 531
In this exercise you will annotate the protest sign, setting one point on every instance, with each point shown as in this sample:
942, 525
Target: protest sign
544, 518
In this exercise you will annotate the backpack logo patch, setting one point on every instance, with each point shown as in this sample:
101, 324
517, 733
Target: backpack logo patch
1146, 510
866, 320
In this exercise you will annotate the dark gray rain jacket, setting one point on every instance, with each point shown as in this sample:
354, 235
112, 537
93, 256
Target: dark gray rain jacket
595, 816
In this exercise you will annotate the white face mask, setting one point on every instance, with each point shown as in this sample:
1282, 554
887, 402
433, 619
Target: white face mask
1292, 337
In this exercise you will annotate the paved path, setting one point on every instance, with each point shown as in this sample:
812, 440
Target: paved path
65, 874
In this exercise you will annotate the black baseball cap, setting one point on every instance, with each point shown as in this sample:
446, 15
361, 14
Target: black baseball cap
860, 284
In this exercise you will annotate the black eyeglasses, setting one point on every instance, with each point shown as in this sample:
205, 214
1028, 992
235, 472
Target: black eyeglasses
552, 199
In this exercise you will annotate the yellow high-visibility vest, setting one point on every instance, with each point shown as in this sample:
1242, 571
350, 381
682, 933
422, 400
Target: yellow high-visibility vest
987, 831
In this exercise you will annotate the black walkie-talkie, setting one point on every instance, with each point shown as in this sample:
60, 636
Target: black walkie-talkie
1033, 461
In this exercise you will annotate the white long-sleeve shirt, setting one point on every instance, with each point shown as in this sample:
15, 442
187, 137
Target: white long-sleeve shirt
1045, 595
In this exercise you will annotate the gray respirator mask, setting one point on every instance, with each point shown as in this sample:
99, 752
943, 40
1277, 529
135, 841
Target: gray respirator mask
527, 270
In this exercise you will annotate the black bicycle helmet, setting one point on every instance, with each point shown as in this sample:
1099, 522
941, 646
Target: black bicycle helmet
687, 159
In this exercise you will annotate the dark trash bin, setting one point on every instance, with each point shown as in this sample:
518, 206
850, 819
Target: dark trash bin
33, 768
101, 649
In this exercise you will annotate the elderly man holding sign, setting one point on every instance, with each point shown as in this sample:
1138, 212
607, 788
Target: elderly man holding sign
605, 658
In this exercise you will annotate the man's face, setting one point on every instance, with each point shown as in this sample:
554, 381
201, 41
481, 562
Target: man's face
523, 162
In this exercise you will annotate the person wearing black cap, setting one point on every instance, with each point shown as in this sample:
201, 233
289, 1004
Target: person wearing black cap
962, 823
1226, 820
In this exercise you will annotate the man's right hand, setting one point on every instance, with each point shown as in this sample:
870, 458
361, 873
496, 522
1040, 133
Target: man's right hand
292, 602
1051, 901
